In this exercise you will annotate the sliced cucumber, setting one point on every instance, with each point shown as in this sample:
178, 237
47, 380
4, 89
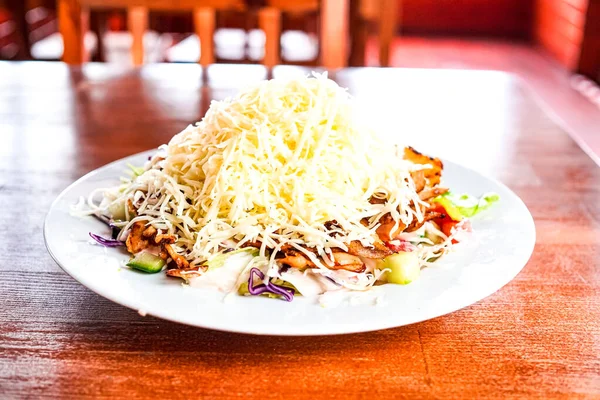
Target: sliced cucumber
117, 211
404, 267
147, 262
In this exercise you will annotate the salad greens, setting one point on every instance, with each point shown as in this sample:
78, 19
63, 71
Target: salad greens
137, 171
219, 260
464, 205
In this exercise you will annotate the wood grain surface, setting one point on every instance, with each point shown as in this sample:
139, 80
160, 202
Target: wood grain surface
538, 337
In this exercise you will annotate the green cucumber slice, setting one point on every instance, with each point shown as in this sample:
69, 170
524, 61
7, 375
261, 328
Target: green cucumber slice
147, 262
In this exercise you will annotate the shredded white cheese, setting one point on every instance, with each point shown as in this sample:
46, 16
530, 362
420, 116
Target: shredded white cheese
275, 164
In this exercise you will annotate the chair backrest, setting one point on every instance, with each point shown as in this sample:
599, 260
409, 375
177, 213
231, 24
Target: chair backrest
73, 21
73, 18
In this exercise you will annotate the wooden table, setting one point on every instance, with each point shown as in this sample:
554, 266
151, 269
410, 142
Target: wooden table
538, 337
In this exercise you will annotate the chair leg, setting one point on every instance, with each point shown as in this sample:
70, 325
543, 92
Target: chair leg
358, 35
334, 33
387, 29
269, 21
72, 29
204, 25
98, 26
85, 27
18, 9
137, 19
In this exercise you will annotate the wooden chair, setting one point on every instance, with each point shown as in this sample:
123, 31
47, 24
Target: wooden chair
73, 16
333, 29
73, 21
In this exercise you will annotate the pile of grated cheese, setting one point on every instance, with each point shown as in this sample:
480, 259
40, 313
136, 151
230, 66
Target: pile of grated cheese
275, 164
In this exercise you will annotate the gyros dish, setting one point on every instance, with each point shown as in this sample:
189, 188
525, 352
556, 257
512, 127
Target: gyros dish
281, 191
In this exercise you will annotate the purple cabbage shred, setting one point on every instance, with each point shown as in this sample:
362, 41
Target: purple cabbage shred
106, 242
269, 287
114, 230
102, 218
333, 281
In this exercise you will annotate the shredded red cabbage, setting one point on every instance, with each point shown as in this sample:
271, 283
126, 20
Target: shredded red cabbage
269, 287
114, 230
102, 218
333, 281
106, 242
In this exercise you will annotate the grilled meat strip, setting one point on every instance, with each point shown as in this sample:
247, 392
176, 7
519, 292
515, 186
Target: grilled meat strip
377, 252
432, 174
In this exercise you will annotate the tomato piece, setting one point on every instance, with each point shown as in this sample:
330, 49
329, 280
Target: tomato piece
400, 245
447, 227
442, 220
437, 207
447, 224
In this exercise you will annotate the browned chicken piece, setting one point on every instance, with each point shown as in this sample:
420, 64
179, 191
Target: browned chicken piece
252, 244
348, 262
183, 273
149, 232
386, 230
377, 252
419, 178
297, 261
164, 238
131, 209
427, 217
431, 193
180, 260
135, 240
377, 200
295, 258
342, 260
163, 253
433, 174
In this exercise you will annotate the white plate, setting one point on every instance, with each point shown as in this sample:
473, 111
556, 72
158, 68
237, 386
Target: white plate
503, 242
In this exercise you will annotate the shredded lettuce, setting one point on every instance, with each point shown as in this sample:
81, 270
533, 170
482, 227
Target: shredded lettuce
219, 260
466, 204
137, 171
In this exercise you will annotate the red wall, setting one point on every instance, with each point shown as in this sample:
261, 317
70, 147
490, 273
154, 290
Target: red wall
499, 18
558, 26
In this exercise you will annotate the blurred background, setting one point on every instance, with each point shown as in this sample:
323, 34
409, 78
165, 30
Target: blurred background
482, 34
